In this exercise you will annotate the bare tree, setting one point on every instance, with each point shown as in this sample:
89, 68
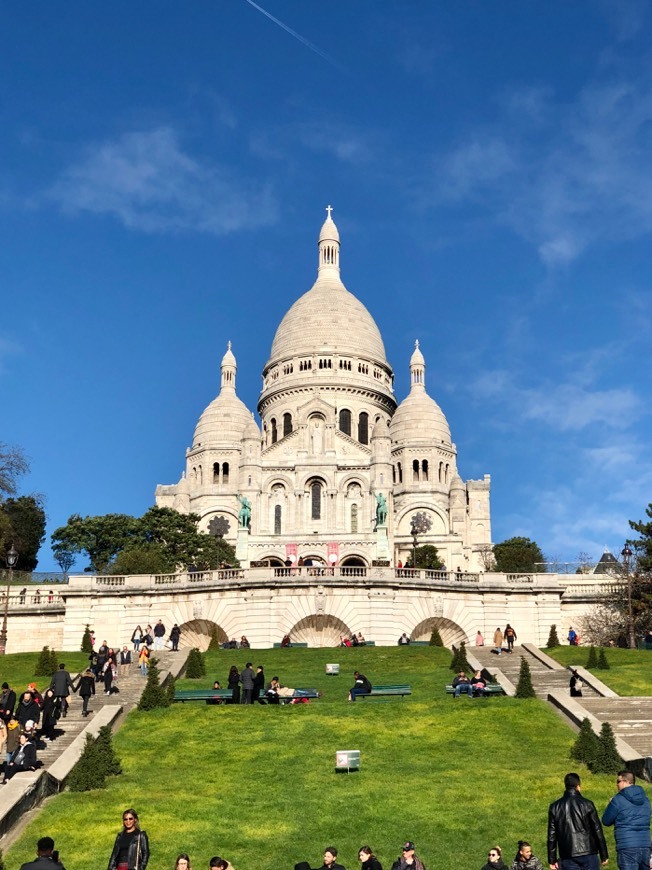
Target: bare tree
13, 464
486, 555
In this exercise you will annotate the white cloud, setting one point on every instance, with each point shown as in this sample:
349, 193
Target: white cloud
346, 143
149, 183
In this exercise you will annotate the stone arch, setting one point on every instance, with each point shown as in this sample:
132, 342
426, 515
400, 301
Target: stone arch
353, 560
319, 630
271, 482
198, 632
450, 632
274, 560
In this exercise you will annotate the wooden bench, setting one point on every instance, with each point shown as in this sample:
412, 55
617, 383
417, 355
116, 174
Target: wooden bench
287, 699
489, 689
416, 643
386, 692
210, 696
293, 645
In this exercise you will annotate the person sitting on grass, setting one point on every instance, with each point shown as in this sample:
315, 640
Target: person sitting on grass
495, 859
408, 859
462, 685
367, 859
524, 859
23, 759
218, 863
330, 859
362, 686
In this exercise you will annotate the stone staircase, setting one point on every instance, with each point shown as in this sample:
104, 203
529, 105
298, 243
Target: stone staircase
631, 719
544, 679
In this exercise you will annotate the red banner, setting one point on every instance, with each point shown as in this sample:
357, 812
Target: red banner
333, 553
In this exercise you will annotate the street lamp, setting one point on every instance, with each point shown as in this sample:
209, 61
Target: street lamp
11, 558
627, 554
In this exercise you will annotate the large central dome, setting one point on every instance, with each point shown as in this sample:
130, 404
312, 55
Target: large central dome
328, 317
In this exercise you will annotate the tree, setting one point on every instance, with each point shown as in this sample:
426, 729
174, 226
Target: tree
43, 665
27, 528
553, 639
195, 665
110, 763
592, 661
215, 640
518, 556
154, 695
524, 688
585, 747
101, 538
427, 557
13, 464
87, 773
603, 664
87, 641
643, 545
486, 555
435, 638
65, 559
606, 759
170, 689
54, 661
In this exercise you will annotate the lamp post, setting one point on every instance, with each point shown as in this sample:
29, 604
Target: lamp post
11, 559
627, 554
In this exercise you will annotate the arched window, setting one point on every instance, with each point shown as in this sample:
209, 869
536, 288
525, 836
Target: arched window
354, 518
399, 468
287, 424
363, 428
441, 472
216, 472
277, 519
415, 470
393, 474
272, 423
199, 474
345, 421
315, 500
225, 472
424, 470
446, 473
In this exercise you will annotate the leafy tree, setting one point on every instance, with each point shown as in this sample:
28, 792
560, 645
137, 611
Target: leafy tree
101, 538
27, 528
524, 687
154, 695
606, 759
43, 668
518, 556
643, 545
585, 747
65, 559
553, 639
427, 557
195, 665
87, 641
13, 464
435, 638
603, 664
140, 559
592, 661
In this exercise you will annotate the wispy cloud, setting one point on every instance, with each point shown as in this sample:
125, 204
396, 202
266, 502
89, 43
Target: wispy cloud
562, 175
147, 181
346, 143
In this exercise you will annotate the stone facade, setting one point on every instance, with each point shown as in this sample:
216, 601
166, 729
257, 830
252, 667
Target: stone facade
332, 438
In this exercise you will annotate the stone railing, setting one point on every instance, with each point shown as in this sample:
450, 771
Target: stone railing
31, 601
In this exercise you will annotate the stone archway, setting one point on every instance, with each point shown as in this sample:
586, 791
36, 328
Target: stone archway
198, 633
319, 630
353, 562
450, 632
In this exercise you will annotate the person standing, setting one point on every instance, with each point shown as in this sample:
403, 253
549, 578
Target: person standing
575, 836
259, 683
124, 661
47, 858
143, 659
159, 634
572, 637
137, 637
7, 702
247, 680
86, 688
510, 637
629, 812
234, 684
175, 634
131, 847
408, 859
498, 641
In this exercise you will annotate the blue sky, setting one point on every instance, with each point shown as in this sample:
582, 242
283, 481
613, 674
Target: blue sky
163, 173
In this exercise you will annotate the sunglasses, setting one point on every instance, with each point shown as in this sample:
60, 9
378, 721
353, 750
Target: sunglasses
128, 818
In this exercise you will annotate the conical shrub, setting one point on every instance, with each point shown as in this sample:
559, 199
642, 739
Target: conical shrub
154, 696
435, 638
463, 662
455, 661
592, 661
603, 664
43, 668
195, 665
606, 759
586, 744
170, 689
553, 639
109, 761
87, 774
87, 641
214, 641
524, 688
54, 661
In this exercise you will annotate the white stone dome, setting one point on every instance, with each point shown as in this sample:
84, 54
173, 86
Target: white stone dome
222, 422
419, 419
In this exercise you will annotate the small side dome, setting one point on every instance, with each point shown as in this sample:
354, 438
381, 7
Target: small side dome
380, 429
252, 431
419, 419
226, 418
417, 358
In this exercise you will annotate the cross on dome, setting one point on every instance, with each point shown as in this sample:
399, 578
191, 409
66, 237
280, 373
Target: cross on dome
329, 209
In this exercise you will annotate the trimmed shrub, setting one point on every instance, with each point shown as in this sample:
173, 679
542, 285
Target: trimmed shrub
154, 696
463, 662
455, 659
54, 661
586, 745
43, 668
553, 639
87, 774
592, 661
109, 762
603, 664
606, 759
195, 665
170, 689
87, 641
2, 861
435, 638
215, 641
524, 688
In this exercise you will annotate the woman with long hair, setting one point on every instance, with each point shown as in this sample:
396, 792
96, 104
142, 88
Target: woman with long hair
495, 859
234, 684
183, 862
137, 637
131, 847
368, 860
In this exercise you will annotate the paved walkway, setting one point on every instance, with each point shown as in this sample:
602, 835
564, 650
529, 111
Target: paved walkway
544, 679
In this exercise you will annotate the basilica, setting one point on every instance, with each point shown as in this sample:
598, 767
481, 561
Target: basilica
338, 469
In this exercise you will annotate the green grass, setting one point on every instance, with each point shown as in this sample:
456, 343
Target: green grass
258, 785
17, 669
630, 670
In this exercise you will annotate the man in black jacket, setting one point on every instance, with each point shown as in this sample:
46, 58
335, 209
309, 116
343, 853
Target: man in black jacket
575, 837
61, 684
7, 702
47, 858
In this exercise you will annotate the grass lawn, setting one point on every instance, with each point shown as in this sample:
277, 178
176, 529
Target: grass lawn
257, 784
17, 669
630, 670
